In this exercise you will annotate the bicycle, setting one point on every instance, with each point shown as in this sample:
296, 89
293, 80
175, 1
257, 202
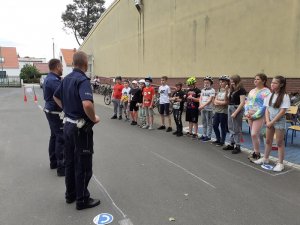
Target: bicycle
157, 105
107, 95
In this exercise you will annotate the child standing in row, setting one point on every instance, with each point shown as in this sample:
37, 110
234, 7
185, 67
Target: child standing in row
164, 104
277, 103
206, 108
134, 96
125, 99
116, 98
255, 112
192, 111
142, 116
148, 102
221, 111
237, 98
178, 101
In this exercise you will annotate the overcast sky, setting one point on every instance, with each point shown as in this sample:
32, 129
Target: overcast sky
30, 26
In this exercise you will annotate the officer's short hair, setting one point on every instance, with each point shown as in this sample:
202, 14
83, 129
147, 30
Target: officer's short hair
53, 64
80, 59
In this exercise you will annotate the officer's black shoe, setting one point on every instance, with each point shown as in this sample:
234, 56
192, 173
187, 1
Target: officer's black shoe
70, 200
114, 117
90, 203
53, 166
61, 172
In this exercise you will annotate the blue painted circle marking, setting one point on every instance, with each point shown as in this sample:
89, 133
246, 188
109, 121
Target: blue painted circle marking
103, 218
267, 167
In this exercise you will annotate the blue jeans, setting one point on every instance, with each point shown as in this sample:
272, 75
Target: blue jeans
220, 120
207, 117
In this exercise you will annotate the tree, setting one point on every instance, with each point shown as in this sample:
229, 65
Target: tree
29, 72
81, 16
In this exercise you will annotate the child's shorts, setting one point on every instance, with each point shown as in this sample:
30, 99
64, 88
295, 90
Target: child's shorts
164, 109
192, 115
148, 111
133, 107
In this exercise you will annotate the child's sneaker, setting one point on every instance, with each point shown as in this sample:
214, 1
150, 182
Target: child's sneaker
220, 144
145, 126
228, 147
150, 127
169, 129
206, 139
254, 156
261, 161
236, 150
279, 167
162, 127
194, 136
202, 137
215, 142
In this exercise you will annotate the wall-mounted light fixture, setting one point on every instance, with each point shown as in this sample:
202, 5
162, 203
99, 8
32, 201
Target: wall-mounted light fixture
138, 5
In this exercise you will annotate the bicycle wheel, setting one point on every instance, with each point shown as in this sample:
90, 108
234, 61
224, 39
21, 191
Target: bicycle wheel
107, 99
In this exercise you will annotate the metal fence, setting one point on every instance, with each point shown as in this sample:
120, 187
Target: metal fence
10, 82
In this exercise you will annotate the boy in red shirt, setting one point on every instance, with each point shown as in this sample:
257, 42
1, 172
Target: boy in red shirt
116, 98
148, 101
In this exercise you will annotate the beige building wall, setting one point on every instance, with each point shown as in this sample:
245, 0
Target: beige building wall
179, 38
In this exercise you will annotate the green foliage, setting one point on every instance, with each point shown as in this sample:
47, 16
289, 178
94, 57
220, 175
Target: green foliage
29, 73
81, 16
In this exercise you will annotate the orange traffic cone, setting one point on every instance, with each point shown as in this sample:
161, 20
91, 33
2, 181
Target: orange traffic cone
35, 99
25, 97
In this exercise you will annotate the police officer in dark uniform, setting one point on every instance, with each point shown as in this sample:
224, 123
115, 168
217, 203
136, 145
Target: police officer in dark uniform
52, 111
75, 97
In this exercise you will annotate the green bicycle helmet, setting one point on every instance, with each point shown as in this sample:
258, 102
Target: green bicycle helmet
191, 81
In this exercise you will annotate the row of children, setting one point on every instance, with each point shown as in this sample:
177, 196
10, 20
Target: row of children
221, 112
139, 101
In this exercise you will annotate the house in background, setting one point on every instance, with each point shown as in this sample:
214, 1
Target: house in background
42, 67
66, 57
9, 65
30, 61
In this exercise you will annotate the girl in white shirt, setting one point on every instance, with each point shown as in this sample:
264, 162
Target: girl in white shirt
277, 103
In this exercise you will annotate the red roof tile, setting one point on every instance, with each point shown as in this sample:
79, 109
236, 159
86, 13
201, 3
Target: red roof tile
10, 57
68, 55
42, 67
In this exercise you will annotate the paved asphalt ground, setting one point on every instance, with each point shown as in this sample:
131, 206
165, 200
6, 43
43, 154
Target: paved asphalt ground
142, 177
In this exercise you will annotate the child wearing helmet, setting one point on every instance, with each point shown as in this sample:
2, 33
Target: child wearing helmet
220, 111
206, 107
192, 112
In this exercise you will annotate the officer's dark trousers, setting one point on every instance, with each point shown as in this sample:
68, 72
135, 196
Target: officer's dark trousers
56, 142
177, 118
78, 161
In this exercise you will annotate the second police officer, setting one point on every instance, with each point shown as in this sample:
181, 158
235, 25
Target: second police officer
75, 97
52, 111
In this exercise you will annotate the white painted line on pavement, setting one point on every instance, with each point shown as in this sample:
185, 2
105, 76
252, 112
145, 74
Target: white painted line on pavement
125, 220
185, 170
245, 164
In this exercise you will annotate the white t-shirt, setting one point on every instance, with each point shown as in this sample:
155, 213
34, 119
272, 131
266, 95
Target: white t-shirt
125, 91
285, 104
205, 95
164, 92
